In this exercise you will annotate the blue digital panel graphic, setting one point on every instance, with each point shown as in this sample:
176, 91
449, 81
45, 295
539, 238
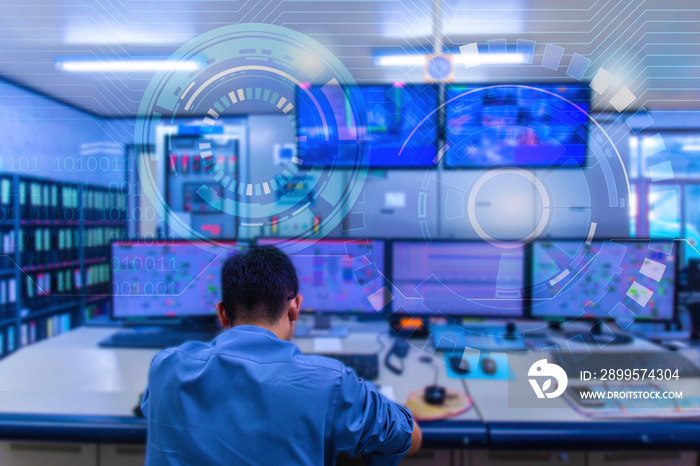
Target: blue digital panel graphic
458, 278
176, 279
394, 116
604, 280
338, 275
533, 125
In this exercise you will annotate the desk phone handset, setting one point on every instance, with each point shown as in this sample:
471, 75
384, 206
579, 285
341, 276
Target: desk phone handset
400, 350
137, 409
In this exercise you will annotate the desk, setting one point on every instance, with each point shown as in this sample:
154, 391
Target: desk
564, 428
67, 388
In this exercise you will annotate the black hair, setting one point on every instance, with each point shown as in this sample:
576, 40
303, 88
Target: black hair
257, 285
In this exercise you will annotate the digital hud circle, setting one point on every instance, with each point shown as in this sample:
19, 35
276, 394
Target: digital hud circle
520, 163
274, 65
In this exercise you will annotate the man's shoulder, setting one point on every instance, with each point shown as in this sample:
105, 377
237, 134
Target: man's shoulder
191, 350
203, 351
319, 361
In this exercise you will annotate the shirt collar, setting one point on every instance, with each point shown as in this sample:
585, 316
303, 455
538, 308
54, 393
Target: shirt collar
253, 328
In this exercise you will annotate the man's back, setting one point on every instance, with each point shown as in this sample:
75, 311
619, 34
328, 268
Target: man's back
249, 397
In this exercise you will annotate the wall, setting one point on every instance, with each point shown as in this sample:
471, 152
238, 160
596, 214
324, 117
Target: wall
42, 137
435, 203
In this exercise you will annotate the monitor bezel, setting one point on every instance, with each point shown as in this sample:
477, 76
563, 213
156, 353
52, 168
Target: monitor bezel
364, 315
445, 102
162, 320
437, 143
586, 318
395, 313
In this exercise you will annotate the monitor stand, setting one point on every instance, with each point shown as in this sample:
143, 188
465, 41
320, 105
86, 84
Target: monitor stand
322, 327
596, 336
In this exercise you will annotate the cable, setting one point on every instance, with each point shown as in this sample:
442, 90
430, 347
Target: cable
400, 349
471, 398
379, 340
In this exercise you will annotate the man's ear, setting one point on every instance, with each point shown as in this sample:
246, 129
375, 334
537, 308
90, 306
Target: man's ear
295, 307
222, 315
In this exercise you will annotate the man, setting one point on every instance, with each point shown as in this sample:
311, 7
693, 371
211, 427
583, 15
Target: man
251, 397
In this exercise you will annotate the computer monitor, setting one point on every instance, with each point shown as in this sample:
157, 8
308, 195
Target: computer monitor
339, 276
458, 278
694, 275
620, 280
167, 279
532, 125
393, 131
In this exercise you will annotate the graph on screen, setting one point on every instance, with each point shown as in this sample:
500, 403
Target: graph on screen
339, 276
175, 279
621, 280
458, 278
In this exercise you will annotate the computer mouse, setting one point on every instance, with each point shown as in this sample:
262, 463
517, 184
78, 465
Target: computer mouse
459, 366
434, 395
488, 365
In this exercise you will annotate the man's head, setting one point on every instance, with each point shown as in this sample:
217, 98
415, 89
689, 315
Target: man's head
260, 287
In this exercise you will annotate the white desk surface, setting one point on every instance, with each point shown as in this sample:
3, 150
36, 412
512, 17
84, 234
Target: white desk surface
70, 375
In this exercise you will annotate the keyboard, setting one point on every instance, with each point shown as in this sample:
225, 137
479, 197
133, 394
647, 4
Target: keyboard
154, 338
575, 362
366, 366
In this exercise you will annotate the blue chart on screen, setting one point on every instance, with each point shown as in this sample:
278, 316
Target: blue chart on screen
459, 278
173, 280
393, 113
523, 125
338, 275
604, 279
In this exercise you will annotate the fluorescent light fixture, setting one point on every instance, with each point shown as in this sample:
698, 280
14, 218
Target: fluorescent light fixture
94, 31
457, 59
402, 60
490, 59
83, 66
691, 148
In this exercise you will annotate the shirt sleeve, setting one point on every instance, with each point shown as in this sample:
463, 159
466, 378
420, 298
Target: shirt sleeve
146, 393
367, 423
144, 402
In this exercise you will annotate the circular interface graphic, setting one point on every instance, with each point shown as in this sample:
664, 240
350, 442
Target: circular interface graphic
249, 64
508, 191
519, 165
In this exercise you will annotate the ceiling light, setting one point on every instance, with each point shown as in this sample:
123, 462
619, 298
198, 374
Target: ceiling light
82, 66
401, 60
458, 59
490, 59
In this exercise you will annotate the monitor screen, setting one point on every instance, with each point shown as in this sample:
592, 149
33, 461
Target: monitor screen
532, 125
175, 279
339, 276
612, 280
461, 279
394, 116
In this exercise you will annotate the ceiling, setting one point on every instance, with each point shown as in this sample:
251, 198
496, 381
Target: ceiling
651, 46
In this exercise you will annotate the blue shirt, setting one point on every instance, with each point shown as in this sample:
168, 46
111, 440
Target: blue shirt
248, 397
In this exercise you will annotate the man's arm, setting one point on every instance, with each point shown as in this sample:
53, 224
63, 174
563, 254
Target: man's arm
367, 423
416, 439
